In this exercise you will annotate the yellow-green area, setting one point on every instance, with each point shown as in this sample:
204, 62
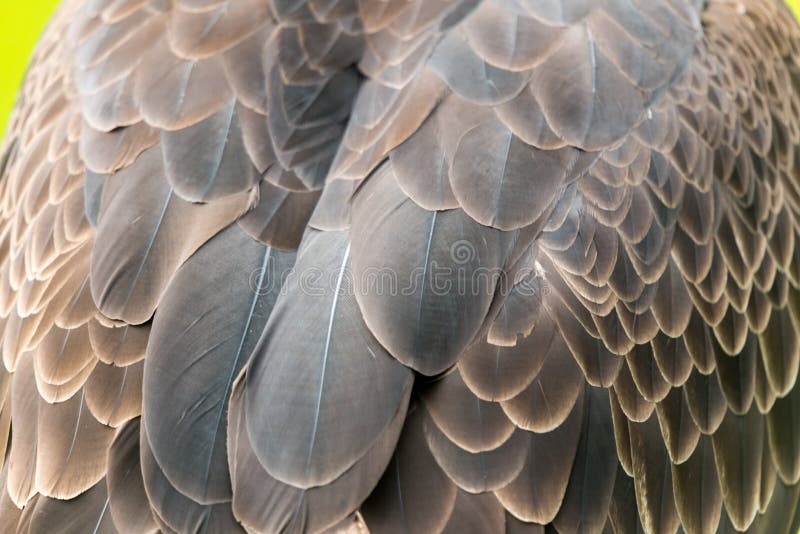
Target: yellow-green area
795, 5
21, 23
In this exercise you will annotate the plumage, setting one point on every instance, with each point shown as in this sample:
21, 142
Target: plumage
86, 512
496, 373
224, 168
677, 426
123, 284
538, 491
654, 496
414, 494
127, 500
323, 448
595, 467
480, 513
114, 394
290, 508
174, 510
483, 470
782, 434
403, 266
549, 399
21, 462
189, 369
737, 451
698, 497
381, 210
71, 453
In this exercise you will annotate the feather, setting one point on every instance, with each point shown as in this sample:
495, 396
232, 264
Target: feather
494, 175
631, 402
8, 510
524, 47
781, 516
515, 526
62, 354
119, 345
332, 211
193, 357
414, 494
481, 514
672, 306
114, 394
136, 252
279, 219
780, 351
590, 104
244, 68
520, 309
107, 152
673, 359
738, 446
470, 76
737, 375
652, 477
175, 510
265, 504
472, 424
422, 169
538, 491
622, 514
600, 366
92, 195
127, 500
586, 503
481, 471
638, 156
417, 319
71, 450
622, 436
208, 160
706, 401
327, 372
87, 512
194, 33
646, 375
679, 430
497, 373
173, 93
764, 395
376, 125
5, 420
698, 341
783, 433
549, 399
21, 460
769, 478
256, 137
698, 497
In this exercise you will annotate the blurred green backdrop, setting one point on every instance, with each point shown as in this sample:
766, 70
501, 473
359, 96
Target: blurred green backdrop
21, 22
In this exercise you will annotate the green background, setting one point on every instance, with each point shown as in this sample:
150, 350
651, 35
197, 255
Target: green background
21, 22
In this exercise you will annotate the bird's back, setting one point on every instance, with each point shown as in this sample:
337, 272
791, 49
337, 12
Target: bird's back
407, 266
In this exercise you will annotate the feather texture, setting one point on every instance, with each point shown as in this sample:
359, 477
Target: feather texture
193, 358
324, 446
545, 276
